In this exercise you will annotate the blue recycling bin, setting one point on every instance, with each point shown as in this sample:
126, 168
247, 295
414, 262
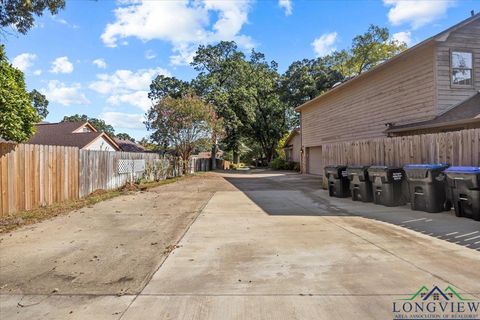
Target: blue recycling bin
427, 185
464, 190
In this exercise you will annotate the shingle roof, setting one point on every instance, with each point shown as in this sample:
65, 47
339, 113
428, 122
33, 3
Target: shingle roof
466, 111
129, 146
61, 134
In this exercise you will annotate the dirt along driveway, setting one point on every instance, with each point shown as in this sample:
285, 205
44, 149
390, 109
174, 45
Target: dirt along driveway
251, 246
109, 249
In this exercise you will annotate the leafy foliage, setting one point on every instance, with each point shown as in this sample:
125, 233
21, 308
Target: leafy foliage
125, 136
99, 124
163, 86
368, 50
40, 103
184, 124
20, 13
17, 115
303, 81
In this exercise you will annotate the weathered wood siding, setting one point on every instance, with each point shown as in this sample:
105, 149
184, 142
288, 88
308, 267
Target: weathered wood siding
456, 148
99, 169
36, 175
401, 92
466, 38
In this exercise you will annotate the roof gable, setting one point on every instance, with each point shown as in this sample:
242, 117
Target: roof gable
440, 37
66, 134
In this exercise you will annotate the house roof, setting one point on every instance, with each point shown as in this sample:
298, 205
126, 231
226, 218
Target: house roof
440, 37
467, 111
62, 134
292, 134
129, 146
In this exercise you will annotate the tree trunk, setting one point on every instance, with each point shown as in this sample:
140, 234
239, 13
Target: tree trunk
236, 157
213, 157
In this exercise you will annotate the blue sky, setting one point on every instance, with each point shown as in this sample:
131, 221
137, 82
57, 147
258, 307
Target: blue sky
99, 57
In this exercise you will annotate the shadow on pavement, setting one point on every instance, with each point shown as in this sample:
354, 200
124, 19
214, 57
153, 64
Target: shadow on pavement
286, 193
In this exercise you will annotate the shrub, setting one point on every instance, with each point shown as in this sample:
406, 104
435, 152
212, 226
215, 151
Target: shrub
278, 164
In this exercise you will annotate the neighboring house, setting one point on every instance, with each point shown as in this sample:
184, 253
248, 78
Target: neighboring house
293, 146
431, 87
208, 155
73, 134
129, 146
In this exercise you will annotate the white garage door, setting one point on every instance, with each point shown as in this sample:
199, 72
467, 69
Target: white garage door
314, 165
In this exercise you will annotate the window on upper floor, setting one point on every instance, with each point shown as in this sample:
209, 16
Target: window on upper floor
462, 68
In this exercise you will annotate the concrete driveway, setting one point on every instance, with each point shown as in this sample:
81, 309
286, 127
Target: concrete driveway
273, 246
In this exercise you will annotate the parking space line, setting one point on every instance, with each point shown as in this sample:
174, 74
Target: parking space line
466, 234
414, 220
469, 239
451, 233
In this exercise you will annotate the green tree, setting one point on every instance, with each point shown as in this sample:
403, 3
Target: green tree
220, 70
303, 81
185, 123
17, 115
40, 103
368, 50
163, 86
99, 124
125, 136
20, 13
261, 97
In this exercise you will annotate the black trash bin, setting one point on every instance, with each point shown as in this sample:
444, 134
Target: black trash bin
387, 185
464, 190
360, 184
427, 184
338, 183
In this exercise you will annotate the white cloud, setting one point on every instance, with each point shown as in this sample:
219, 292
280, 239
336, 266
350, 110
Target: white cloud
126, 86
24, 61
417, 13
61, 65
37, 72
148, 20
286, 5
325, 44
66, 95
124, 120
100, 63
138, 99
403, 36
149, 54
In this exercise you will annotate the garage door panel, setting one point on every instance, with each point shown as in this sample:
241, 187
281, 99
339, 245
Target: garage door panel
314, 160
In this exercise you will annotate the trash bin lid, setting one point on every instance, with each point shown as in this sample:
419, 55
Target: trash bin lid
472, 170
431, 166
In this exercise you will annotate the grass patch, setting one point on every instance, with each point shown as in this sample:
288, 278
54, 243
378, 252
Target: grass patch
18, 219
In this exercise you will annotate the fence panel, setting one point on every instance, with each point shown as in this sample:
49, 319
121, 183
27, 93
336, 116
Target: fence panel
36, 175
461, 148
103, 169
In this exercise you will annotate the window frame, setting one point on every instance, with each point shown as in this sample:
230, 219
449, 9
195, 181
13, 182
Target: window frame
461, 86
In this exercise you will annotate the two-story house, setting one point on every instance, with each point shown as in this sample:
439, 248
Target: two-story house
431, 87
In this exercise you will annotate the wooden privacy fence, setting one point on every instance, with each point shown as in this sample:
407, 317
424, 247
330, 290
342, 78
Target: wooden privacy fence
103, 169
34, 175
461, 148
38, 175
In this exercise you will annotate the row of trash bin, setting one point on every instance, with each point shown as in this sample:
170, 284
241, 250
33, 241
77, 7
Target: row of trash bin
428, 187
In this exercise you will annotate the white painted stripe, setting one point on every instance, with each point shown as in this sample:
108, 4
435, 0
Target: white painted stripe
451, 233
414, 220
428, 220
477, 242
469, 239
466, 234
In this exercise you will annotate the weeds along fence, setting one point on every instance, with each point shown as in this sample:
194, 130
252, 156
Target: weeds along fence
460, 148
38, 175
